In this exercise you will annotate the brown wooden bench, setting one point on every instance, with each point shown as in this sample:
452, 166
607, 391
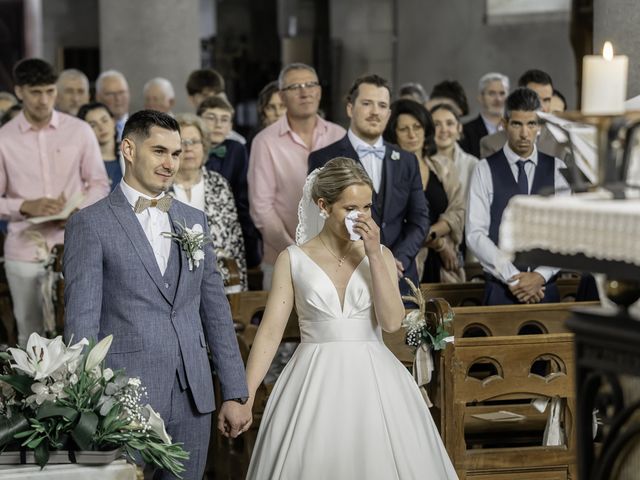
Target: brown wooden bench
472, 293
481, 449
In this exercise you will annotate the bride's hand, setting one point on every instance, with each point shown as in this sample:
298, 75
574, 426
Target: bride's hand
366, 227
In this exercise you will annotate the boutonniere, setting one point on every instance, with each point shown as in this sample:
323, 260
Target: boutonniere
395, 155
191, 240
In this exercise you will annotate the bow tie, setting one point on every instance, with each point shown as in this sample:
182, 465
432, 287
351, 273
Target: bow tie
163, 204
220, 151
364, 150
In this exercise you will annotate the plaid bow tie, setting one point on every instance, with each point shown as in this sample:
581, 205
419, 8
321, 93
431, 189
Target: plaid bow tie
163, 204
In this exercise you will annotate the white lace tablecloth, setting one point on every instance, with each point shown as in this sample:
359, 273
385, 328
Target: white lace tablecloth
591, 224
118, 470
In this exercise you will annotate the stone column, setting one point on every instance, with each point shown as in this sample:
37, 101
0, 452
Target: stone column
617, 21
151, 39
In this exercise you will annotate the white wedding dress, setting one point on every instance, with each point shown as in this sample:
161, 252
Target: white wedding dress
344, 408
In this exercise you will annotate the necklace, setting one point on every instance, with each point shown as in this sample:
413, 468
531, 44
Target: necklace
340, 260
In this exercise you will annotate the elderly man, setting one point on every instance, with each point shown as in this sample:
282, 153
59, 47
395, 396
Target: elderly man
112, 89
46, 158
493, 89
278, 161
159, 95
73, 91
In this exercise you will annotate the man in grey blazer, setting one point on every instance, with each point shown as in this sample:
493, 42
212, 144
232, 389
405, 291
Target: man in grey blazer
124, 277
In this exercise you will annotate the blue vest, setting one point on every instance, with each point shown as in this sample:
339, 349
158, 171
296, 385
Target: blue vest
505, 185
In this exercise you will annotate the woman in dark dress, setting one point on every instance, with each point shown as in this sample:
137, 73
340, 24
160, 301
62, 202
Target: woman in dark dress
411, 127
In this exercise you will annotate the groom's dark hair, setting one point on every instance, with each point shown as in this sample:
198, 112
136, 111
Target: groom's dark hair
139, 124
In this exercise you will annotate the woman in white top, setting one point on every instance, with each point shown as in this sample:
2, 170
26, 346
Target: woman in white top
448, 132
210, 192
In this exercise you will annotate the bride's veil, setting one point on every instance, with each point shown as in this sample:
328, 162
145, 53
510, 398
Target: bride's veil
310, 222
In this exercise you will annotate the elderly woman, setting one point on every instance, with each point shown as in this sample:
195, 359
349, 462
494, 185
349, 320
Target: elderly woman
411, 127
101, 121
210, 192
448, 131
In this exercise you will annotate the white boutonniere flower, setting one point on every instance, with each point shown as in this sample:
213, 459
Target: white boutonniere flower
191, 240
395, 155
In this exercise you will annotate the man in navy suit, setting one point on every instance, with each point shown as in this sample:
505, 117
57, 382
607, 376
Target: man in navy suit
493, 89
126, 278
399, 205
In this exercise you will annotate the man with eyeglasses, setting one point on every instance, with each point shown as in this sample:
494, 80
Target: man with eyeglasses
278, 162
112, 89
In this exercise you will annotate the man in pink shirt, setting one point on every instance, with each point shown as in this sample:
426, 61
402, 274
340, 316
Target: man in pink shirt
46, 158
278, 161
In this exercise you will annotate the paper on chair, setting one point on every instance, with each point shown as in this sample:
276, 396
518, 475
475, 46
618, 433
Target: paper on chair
500, 416
73, 203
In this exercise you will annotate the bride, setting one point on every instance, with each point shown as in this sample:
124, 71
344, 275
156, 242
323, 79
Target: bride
344, 408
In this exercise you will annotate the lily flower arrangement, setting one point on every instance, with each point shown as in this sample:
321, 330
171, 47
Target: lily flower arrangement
61, 397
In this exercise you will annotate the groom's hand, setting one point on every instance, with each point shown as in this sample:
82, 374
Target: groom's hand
234, 418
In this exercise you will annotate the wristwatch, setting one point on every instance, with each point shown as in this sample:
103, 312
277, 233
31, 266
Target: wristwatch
241, 400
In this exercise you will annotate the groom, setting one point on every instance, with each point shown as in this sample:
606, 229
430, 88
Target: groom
124, 277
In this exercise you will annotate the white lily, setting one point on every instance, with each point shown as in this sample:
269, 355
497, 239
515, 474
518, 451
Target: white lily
97, 353
155, 422
43, 356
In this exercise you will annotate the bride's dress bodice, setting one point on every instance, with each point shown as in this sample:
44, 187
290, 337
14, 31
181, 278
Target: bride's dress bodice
320, 315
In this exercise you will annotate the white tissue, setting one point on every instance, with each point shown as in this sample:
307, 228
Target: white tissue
349, 220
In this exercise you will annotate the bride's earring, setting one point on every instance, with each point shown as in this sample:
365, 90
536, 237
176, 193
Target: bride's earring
323, 214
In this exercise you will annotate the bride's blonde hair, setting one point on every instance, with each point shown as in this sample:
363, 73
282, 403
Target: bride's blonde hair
338, 174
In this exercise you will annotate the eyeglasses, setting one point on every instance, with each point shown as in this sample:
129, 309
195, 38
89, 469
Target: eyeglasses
187, 142
299, 86
212, 117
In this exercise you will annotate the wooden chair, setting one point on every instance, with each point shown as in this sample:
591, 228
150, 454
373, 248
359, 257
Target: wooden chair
58, 289
10, 336
490, 450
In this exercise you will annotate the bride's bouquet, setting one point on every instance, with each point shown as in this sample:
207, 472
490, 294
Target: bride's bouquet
59, 397
426, 331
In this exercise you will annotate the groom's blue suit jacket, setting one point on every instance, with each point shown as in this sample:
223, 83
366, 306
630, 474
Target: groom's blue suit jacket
113, 286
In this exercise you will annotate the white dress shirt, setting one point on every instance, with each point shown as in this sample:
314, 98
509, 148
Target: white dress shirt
371, 163
154, 222
490, 126
197, 194
493, 260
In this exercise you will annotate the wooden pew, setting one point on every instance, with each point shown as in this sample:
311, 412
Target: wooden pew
472, 293
517, 335
492, 451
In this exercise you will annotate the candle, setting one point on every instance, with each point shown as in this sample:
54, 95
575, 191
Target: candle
604, 83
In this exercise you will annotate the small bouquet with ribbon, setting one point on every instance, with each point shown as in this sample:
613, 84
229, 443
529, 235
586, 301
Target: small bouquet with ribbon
426, 331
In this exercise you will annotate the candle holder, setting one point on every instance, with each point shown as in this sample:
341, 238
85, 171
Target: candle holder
615, 134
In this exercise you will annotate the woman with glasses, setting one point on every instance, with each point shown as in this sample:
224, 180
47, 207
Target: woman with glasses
210, 192
411, 127
229, 158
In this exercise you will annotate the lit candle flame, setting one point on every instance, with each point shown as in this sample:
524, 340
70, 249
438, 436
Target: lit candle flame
607, 51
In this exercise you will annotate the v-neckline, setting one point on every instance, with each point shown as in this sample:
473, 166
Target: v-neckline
335, 289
